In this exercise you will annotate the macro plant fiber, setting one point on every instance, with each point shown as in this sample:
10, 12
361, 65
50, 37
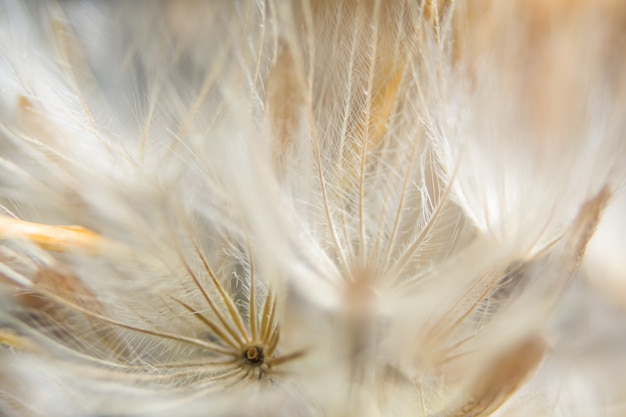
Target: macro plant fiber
324, 208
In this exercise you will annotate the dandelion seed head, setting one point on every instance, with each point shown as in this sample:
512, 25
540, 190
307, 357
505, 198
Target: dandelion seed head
307, 208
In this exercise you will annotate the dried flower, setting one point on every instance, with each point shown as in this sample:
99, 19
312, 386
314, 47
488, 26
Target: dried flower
307, 207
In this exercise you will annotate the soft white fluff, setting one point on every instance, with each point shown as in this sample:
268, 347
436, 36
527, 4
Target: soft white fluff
308, 208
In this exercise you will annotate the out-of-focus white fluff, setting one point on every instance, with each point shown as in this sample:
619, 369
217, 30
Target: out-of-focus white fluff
308, 208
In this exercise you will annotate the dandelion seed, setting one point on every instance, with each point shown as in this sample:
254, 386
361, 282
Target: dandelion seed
309, 208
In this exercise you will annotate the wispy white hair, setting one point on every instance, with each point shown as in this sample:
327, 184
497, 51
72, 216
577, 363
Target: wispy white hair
309, 207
